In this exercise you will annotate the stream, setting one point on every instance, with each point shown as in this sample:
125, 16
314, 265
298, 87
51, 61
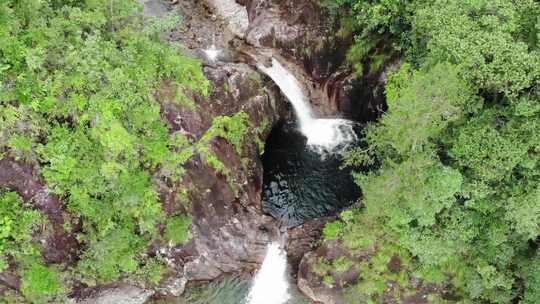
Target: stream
302, 180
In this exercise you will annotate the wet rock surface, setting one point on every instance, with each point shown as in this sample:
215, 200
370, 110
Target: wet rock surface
306, 35
229, 232
235, 14
114, 294
303, 239
154, 8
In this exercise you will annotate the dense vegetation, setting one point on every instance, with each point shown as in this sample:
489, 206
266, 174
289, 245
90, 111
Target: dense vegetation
456, 190
77, 97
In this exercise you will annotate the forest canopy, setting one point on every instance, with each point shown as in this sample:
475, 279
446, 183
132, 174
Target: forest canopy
77, 84
456, 189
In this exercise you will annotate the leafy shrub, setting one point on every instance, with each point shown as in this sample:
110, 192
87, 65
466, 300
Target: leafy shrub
332, 230
177, 229
17, 224
39, 282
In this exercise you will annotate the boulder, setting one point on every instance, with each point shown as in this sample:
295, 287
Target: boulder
114, 294
235, 14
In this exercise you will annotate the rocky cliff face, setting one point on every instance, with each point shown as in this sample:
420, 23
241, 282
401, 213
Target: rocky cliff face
230, 231
316, 41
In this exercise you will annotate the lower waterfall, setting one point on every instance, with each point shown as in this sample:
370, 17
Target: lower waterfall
270, 285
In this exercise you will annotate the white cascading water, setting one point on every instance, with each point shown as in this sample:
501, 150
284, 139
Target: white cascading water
270, 285
212, 53
324, 135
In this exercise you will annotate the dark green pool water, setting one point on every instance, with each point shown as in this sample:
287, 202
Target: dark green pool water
299, 183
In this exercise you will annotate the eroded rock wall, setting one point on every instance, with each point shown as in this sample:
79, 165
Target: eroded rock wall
230, 231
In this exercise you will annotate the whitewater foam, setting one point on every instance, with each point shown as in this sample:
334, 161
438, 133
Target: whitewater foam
212, 53
270, 285
324, 135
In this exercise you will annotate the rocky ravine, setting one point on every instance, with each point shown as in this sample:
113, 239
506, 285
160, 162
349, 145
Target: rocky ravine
230, 231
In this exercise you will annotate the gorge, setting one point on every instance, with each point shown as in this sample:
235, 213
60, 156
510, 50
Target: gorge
303, 180
269, 152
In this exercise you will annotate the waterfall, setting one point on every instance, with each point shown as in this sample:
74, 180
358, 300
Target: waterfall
270, 285
290, 86
323, 135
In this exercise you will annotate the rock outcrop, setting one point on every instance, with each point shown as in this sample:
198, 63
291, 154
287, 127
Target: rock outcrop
229, 232
311, 282
115, 294
235, 14
317, 42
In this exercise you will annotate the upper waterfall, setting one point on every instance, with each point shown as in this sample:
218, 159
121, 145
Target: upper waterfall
290, 86
323, 134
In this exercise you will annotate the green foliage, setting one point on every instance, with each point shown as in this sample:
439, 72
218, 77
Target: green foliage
232, 128
456, 154
421, 189
376, 275
235, 129
342, 264
39, 282
483, 37
332, 230
17, 224
328, 280
428, 100
12, 297
77, 94
177, 229
153, 270
531, 275
322, 267
115, 253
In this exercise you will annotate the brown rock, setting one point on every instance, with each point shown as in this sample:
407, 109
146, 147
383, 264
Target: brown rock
22, 177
